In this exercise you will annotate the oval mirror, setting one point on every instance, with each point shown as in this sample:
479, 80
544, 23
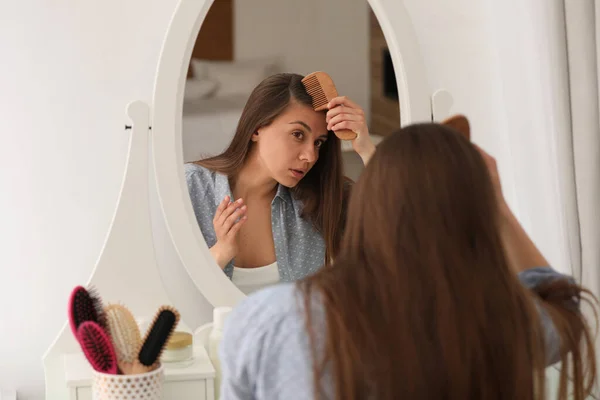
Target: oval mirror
212, 139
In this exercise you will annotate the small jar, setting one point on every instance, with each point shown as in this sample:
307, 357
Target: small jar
179, 348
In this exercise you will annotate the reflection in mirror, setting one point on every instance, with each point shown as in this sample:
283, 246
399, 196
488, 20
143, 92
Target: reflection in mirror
268, 178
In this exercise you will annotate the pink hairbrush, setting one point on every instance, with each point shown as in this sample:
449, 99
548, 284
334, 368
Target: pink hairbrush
97, 347
84, 305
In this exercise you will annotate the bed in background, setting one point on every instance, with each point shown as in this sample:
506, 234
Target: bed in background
217, 86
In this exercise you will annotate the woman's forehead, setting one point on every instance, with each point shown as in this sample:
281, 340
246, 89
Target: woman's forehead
299, 112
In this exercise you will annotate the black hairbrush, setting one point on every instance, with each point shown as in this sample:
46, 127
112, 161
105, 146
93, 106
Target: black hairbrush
157, 336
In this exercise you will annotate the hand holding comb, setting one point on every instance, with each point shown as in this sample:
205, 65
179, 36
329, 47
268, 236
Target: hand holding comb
320, 87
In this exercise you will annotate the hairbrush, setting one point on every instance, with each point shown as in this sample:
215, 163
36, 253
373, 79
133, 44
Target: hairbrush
320, 87
125, 335
97, 347
84, 305
162, 327
459, 123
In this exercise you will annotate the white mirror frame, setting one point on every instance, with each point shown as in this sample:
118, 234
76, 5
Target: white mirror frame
415, 106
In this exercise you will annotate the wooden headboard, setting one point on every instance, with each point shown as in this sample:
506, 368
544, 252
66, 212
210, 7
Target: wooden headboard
215, 39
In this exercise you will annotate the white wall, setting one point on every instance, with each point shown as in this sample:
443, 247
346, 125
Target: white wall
310, 35
69, 69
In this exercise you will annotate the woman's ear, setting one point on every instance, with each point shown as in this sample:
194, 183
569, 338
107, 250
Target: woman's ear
460, 123
254, 137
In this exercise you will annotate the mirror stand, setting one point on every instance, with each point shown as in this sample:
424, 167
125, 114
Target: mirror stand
126, 271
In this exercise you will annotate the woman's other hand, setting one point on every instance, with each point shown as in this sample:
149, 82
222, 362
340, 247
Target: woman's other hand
228, 219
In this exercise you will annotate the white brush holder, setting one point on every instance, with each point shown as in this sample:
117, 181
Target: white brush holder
148, 386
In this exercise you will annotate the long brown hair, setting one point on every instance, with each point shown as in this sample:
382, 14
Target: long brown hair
421, 302
322, 189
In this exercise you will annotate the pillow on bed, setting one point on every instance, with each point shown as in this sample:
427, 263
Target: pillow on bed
235, 77
199, 69
199, 89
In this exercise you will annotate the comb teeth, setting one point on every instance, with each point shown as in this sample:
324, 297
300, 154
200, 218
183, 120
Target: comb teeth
158, 335
84, 305
124, 332
97, 347
314, 89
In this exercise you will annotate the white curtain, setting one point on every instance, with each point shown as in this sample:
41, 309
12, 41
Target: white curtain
582, 23
583, 39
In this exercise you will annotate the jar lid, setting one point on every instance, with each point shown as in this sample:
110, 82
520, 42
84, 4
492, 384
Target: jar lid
179, 340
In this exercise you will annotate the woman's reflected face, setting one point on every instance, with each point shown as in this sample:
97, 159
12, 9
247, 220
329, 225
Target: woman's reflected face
289, 147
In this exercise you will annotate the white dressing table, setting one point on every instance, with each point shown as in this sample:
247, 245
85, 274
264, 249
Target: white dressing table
183, 381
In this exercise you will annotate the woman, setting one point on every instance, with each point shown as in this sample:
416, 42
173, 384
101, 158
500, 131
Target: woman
273, 202
437, 293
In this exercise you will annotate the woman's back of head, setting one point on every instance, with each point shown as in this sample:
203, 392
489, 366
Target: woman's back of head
421, 303
426, 192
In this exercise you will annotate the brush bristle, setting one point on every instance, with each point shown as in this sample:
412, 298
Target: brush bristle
84, 306
98, 304
97, 347
315, 90
124, 332
158, 335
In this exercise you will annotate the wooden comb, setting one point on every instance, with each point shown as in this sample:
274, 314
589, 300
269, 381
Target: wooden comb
320, 87
459, 123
